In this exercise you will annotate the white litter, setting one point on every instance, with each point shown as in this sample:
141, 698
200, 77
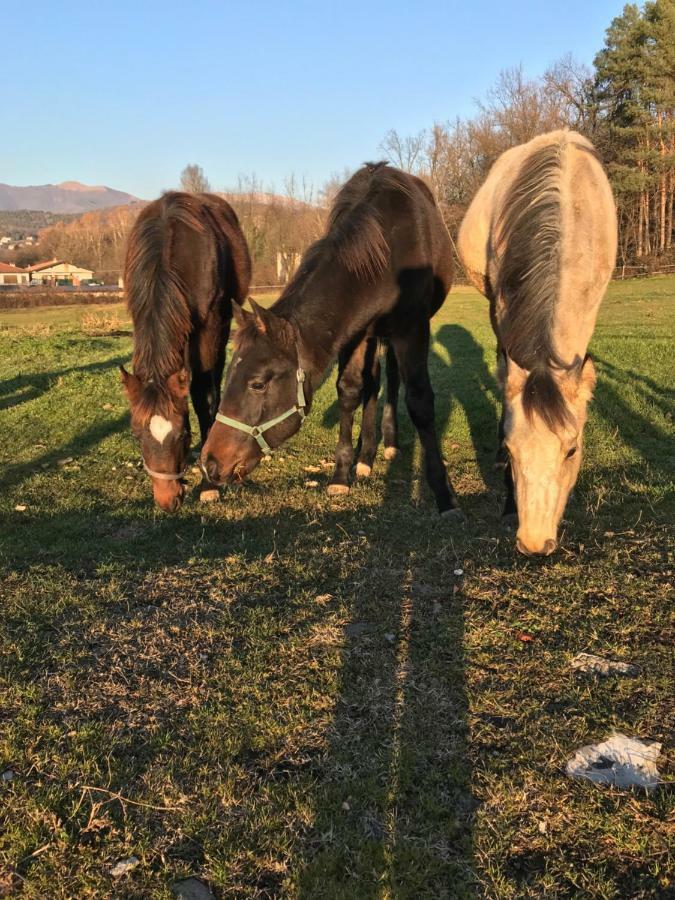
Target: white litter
458, 572
598, 665
123, 866
620, 761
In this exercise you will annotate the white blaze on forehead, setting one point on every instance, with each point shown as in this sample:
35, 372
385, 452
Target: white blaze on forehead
160, 428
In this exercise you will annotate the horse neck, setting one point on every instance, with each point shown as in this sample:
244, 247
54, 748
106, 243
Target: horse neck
328, 311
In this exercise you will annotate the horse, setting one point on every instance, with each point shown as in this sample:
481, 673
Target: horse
539, 241
377, 276
187, 266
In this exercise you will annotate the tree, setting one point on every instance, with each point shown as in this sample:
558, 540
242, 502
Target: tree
193, 180
635, 83
404, 152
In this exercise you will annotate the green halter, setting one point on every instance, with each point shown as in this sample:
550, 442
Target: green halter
257, 431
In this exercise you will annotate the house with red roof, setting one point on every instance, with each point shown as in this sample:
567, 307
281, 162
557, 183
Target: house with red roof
58, 271
10, 274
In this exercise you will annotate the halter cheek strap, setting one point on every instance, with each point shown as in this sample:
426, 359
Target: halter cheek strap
257, 431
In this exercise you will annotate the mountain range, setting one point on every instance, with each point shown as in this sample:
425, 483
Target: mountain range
67, 197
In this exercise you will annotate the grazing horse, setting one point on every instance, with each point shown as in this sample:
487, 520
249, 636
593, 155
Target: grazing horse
187, 264
539, 240
380, 272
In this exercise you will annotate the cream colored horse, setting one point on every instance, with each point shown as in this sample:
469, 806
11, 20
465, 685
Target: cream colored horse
539, 240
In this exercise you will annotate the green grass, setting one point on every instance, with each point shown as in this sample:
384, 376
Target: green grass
291, 695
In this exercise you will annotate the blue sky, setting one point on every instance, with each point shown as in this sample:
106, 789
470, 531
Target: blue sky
126, 94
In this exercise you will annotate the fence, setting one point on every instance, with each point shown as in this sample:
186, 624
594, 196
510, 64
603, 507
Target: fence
621, 273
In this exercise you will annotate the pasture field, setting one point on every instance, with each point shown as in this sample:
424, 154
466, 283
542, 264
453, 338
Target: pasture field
290, 695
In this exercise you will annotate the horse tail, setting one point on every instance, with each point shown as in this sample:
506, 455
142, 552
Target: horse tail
157, 298
529, 238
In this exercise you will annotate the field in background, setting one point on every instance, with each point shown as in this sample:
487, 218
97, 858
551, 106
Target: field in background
293, 695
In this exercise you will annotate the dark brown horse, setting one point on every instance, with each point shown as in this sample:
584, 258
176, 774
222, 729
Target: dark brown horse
187, 265
381, 271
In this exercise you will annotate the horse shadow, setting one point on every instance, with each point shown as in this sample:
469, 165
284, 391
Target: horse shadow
638, 431
468, 382
23, 388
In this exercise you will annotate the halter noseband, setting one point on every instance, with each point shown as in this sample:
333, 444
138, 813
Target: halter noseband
165, 476
257, 431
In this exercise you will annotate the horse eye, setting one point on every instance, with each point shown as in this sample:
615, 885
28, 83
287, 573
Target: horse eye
571, 452
257, 386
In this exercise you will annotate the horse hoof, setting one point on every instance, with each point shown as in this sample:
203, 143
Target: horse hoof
335, 490
212, 495
363, 470
390, 452
455, 515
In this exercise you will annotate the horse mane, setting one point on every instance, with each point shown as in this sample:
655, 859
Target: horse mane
156, 295
529, 235
354, 234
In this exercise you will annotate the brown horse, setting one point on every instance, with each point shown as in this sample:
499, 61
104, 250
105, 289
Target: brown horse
539, 240
381, 271
187, 263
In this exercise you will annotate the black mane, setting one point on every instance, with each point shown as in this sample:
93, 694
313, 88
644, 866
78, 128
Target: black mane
529, 232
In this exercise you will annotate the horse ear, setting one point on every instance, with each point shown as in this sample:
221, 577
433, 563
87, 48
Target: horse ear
514, 377
279, 330
131, 384
239, 314
587, 379
179, 383
260, 316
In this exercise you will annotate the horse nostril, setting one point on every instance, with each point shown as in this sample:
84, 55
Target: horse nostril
175, 503
522, 548
211, 468
549, 547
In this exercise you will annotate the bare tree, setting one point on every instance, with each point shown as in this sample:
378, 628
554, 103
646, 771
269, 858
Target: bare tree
404, 152
193, 180
571, 82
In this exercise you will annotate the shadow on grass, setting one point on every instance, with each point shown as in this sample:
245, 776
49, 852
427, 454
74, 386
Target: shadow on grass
653, 443
394, 808
16, 473
469, 382
397, 743
23, 388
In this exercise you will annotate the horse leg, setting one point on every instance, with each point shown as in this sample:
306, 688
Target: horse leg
349, 390
205, 386
412, 355
390, 411
503, 461
367, 443
510, 511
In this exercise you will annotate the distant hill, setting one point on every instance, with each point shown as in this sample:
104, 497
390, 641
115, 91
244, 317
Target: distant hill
67, 197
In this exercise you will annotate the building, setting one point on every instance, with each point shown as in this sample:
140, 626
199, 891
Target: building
59, 272
12, 275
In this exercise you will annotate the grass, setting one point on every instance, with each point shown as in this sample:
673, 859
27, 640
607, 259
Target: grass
289, 695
